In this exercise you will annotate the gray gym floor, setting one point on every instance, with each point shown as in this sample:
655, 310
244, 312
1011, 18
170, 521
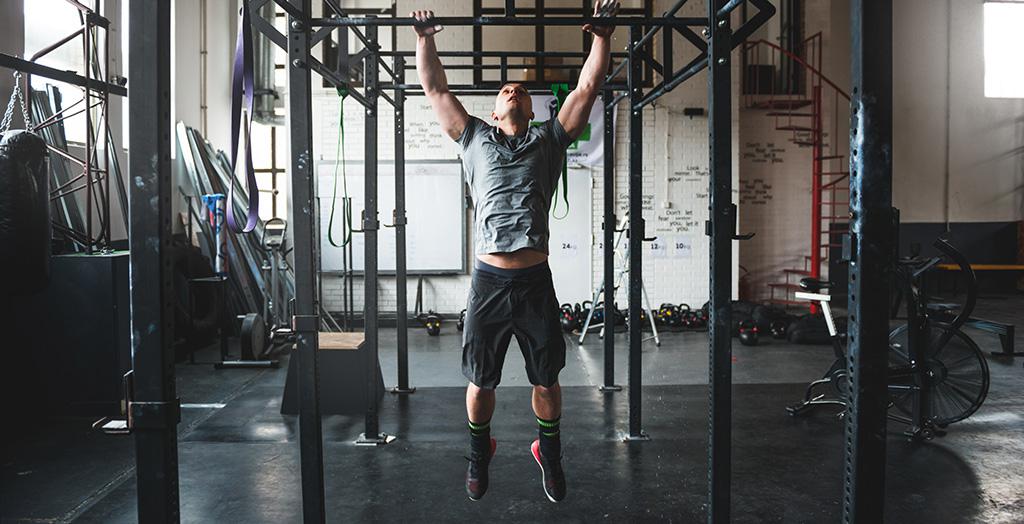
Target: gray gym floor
239, 456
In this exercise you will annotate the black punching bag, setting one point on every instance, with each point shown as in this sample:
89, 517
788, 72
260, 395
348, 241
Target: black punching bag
24, 212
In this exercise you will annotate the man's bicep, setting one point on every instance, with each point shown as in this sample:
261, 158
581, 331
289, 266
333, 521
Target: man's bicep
575, 114
450, 113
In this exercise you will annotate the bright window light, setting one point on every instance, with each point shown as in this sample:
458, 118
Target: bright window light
1004, 40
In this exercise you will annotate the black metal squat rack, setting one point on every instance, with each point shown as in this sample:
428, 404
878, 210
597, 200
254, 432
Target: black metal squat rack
155, 409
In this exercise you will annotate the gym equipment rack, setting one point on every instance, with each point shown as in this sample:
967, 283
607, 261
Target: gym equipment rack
155, 407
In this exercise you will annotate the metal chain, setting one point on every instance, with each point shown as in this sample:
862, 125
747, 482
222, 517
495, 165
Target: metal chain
16, 95
9, 113
25, 114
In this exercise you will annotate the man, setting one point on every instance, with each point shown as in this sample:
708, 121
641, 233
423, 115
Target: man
512, 169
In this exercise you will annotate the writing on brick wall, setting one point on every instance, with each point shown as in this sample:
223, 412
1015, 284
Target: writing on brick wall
755, 192
758, 153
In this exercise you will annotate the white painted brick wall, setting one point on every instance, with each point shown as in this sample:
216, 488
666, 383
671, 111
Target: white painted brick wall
776, 177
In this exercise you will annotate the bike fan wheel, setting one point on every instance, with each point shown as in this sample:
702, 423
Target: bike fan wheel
959, 378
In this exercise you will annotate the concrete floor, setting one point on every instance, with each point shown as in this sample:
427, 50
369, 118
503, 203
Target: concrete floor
239, 456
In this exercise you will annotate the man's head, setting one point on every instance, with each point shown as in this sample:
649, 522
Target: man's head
513, 103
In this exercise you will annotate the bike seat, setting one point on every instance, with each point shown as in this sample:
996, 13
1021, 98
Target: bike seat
813, 285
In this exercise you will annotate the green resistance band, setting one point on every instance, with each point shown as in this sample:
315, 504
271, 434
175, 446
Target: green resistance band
346, 204
561, 91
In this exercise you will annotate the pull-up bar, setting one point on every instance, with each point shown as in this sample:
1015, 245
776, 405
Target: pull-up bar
513, 21
501, 54
60, 75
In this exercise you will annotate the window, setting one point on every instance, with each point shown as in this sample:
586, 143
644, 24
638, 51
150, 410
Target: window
1004, 67
270, 158
47, 22
269, 139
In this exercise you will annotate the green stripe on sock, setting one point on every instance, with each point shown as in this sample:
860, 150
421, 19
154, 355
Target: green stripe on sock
549, 423
479, 427
555, 434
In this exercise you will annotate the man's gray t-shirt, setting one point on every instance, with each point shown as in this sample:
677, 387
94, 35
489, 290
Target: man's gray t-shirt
512, 180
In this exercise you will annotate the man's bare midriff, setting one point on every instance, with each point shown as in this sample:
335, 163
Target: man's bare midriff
518, 259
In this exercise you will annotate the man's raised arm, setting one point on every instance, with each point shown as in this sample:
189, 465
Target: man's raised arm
575, 111
450, 113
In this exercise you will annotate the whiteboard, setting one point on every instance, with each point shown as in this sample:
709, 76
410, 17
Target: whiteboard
435, 208
570, 240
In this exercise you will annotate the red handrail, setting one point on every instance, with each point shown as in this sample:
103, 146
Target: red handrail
753, 43
810, 85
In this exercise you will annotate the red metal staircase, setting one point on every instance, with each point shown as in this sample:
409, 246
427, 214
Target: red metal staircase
797, 105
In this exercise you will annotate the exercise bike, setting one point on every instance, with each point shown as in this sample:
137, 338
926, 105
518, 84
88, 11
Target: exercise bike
937, 374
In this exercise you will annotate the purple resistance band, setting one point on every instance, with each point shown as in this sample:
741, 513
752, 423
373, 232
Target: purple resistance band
242, 84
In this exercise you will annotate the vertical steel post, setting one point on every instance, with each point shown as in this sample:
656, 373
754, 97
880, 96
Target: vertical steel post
350, 294
608, 253
721, 228
478, 44
371, 72
306, 243
87, 96
399, 221
538, 42
587, 8
102, 72
667, 50
871, 242
636, 232
154, 409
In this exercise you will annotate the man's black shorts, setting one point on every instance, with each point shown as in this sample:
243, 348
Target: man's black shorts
503, 303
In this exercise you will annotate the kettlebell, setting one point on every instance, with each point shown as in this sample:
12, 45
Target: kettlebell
568, 319
778, 329
433, 324
748, 333
461, 323
667, 315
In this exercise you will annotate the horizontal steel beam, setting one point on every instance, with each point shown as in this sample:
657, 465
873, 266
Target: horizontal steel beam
765, 11
514, 21
695, 66
510, 67
69, 77
488, 88
668, 14
557, 11
502, 54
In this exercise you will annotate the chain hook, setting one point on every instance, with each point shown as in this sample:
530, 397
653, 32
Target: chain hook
16, 95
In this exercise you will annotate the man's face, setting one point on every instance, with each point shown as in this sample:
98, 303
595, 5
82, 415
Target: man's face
513, 101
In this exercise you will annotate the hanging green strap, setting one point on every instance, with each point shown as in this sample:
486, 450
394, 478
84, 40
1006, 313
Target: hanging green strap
346, 203
561, 91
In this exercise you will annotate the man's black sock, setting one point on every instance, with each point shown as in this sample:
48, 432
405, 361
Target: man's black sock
480, 438
550, 440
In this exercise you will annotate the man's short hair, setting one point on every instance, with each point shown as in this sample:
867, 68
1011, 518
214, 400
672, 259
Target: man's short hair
502, 86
